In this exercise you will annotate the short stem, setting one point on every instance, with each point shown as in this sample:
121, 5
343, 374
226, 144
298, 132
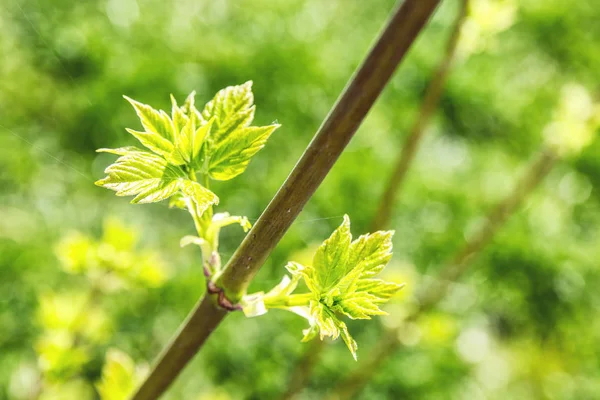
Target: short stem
192, 174
206, 183
196, 218
190, 206
292, 300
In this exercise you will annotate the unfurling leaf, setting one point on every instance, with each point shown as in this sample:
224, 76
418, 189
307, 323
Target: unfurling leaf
197, 196
341, 281
231, 156
153, 121
233, 142
156, 143
192, 130
148, 177
232, 108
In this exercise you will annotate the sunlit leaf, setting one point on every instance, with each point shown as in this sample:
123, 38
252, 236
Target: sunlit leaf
231, 156
198, 197
232, 108
153, 121
341, 281
148, 177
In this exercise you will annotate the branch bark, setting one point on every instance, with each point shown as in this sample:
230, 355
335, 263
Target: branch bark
207, 315
316, 162
355, 382
382, 217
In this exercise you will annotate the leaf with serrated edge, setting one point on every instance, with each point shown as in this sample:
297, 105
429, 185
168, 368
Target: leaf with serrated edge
147, 176
350, 342
332, 256
198, 196
178, 116
121, 151
231, 157
153, 141
341, 281
371, 252
232, 109
188, 107
156, 121
184, 141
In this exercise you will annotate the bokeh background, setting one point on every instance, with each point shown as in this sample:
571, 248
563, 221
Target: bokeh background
522, 324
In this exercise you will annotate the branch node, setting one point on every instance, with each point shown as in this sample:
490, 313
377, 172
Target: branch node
222, 299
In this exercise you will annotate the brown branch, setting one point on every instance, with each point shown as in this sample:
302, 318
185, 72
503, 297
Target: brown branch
382, 217
327, 145
540, 168
188, 340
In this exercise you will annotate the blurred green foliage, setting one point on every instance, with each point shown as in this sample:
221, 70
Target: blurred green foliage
75, 323
521, 325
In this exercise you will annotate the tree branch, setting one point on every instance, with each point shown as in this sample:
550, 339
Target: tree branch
317, 160
327, 145
191, 336
355, 382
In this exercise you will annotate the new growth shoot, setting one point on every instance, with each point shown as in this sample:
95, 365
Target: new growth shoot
187, 149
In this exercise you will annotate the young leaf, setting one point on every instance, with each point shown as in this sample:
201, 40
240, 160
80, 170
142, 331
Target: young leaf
331, 258
341, 281
197, 196
178, 115
154, 142
221, 220
231, 156
232, 108
147, 176
188, 106
191, 138
153, 121
121, 151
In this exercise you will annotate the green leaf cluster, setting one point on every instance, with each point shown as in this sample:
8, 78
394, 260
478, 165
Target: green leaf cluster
341, 283
217, 142
183, 152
